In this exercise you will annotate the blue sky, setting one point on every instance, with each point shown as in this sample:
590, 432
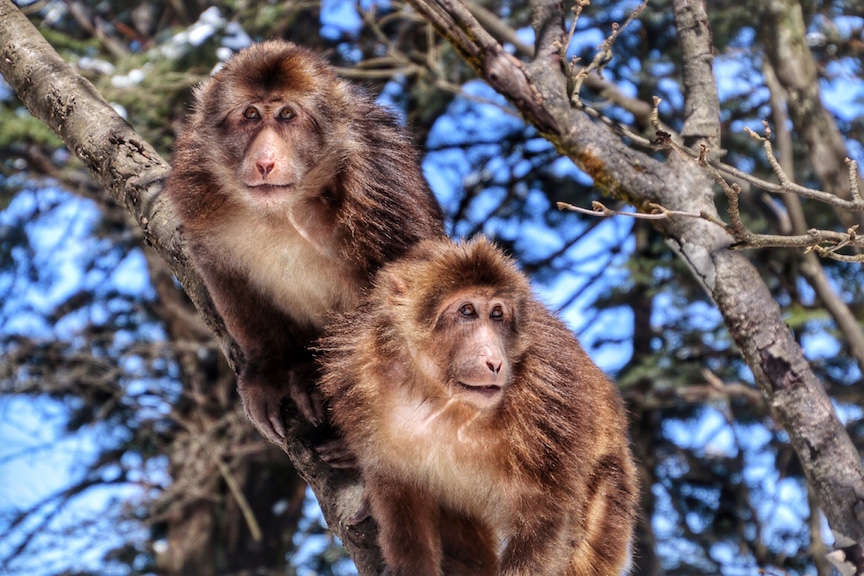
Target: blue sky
37, 459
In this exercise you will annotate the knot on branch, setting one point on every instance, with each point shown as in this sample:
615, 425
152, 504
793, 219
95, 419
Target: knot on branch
849, 561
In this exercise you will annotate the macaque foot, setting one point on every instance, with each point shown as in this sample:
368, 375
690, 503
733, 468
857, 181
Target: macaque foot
337, 454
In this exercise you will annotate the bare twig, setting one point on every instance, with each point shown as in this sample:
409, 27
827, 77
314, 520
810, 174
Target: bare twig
599, 209
786, 186
601, 58
570, 65
856, 204
853, 181
745, 239
239, 497
713, 390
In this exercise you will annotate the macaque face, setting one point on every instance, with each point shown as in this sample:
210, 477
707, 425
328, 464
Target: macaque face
269, 126
270, 148
473, 336
270, 162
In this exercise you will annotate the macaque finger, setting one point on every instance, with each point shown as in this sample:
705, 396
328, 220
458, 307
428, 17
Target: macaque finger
266, 416
308, 400
277, 425
337, 454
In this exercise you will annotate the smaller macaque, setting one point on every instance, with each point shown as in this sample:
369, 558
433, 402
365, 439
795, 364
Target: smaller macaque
292, 188
489, 442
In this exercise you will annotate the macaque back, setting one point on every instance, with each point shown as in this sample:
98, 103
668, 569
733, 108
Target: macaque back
488, 440
292, 188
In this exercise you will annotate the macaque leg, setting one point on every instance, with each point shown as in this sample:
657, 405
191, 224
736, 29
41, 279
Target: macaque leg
470, 546
407, 527
608, 521
543, 544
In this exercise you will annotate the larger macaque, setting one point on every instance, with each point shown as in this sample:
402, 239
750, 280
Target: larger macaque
292, 188
489, 442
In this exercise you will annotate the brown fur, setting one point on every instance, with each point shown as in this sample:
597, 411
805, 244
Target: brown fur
288, 217
540, 470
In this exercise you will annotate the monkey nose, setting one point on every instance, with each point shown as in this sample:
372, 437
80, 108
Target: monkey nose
265, 167
494, 367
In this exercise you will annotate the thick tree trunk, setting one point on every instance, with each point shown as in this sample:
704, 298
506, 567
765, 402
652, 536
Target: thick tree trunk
797, 398
133, 173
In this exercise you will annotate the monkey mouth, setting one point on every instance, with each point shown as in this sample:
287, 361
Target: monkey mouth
267, 189
484, 389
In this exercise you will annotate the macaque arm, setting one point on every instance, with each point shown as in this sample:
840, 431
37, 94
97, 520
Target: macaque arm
276, 365
470, 546
407, 526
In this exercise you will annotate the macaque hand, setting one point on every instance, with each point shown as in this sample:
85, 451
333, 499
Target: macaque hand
304, 392
263, 406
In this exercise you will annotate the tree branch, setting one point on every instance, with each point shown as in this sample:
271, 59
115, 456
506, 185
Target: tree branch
701, 101
797, 72
811, 268
499, 29
134, 174
797, 398
812, 240
496, 66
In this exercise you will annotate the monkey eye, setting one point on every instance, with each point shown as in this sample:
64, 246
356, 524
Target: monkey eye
468, 310
287, 113
497, 313
251, 113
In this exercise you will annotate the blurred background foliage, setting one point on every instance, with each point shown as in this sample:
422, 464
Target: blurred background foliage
123, 449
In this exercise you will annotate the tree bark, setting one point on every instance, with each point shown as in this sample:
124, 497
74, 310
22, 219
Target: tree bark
134, 174
811, 268
796, 397
782, 22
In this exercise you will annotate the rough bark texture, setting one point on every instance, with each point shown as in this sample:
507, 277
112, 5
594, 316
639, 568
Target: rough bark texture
797, 72
811, 267
134, 174
702, 103
791, 76
797, 398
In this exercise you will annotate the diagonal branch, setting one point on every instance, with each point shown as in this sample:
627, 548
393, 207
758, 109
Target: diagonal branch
501, 70
609, 92
133, 173
797, 398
